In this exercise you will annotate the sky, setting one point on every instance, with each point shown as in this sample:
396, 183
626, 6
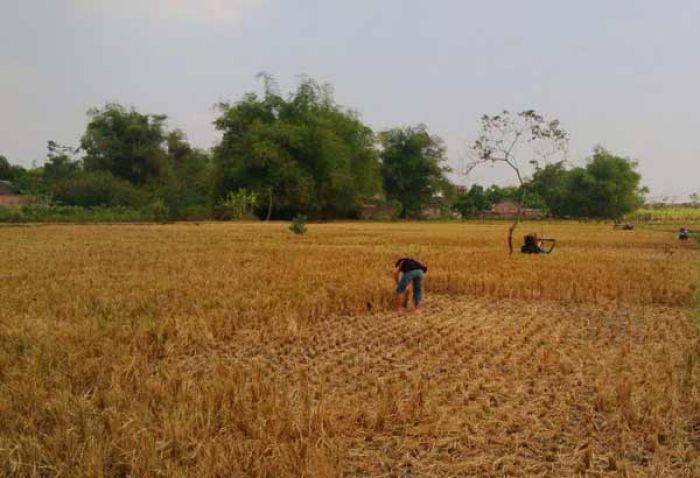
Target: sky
622, 74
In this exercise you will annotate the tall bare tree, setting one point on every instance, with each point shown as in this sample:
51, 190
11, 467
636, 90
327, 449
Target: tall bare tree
517, 139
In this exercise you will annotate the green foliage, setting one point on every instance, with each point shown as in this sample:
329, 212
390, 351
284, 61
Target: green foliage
551, 184
5, 169
476, 199
237, 205
44, 213
412, 167
96, 188
188, 187
302, 154
159, 211
607, 187
60, 163
612, 186
128, 144
471, 202
298, 225
12, 214
670, 214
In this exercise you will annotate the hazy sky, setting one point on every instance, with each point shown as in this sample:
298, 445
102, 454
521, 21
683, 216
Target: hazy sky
624, 74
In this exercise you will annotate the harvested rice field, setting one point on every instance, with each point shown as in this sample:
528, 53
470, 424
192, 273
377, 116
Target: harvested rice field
240, 349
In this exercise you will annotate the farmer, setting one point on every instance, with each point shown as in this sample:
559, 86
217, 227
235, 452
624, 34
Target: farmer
531, 245
409, 270
683, 234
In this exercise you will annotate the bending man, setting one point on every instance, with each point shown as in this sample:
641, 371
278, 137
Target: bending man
408, 270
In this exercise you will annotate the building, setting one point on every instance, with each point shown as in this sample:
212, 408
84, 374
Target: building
9, 195
509, 209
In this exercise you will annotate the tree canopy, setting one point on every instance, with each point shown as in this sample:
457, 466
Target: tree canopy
126, 143
302, 154
609, 187
413, 167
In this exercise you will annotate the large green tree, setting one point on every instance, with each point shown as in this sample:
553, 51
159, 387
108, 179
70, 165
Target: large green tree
607, 187
61, 162
188, 187
303, 153
126, 143
413, 167
551, 184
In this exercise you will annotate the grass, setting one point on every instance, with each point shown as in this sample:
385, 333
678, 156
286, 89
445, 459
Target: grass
245, 350
686, 215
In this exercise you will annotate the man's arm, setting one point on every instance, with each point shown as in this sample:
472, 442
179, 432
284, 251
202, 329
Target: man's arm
397, 272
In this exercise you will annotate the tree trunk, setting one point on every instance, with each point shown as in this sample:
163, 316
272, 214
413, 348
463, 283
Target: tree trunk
512, 227
269, 205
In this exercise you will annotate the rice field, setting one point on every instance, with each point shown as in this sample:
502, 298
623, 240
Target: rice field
240, 349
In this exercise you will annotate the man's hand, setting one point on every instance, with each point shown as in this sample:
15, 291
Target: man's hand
397, 272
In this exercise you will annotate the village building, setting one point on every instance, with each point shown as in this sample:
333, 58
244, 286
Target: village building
9, 195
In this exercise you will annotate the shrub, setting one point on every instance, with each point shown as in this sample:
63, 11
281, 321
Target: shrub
237, 205
298, 225
11, 214
42, 213
159, 211
97, 188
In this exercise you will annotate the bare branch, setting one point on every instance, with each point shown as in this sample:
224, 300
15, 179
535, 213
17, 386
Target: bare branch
503, 136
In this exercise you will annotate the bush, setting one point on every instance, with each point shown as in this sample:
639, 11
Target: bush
159, 211
11, 214
97, 188
298, 225
45, 213
237, 205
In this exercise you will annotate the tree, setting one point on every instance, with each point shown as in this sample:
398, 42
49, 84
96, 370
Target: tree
96, 188
125, 143
551, 184
412, 167
5, 169
607, 187
13, 173
513, 139
471, 202
61, 163
188, 188
303, 154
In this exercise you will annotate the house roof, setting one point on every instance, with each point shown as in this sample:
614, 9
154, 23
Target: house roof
6, 188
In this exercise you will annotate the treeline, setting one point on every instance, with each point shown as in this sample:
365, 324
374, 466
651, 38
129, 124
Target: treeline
282, 156
608, 186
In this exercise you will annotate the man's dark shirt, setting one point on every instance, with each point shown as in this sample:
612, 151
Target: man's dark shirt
406, 264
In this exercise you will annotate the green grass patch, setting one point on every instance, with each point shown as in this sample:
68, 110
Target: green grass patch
666, 214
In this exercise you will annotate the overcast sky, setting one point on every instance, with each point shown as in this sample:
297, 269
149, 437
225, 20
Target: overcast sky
624, 74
